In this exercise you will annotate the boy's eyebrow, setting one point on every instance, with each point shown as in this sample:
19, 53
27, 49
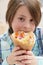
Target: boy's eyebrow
23, 15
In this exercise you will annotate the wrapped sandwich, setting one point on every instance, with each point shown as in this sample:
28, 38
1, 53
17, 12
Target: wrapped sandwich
24, 40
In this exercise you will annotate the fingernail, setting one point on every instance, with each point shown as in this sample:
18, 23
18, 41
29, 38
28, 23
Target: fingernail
18, 47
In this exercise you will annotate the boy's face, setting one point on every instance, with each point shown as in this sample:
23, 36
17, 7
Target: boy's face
23, 20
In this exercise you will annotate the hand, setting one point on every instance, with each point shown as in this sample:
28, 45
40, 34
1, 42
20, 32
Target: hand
30, 59
15, 58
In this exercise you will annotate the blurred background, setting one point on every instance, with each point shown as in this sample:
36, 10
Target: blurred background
3, 8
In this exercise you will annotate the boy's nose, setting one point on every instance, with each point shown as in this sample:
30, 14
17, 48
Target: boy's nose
27, 25
27, 28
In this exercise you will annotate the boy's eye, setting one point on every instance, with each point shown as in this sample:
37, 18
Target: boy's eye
31, 20
21, 19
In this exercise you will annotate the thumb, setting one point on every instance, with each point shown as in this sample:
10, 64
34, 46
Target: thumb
30, 53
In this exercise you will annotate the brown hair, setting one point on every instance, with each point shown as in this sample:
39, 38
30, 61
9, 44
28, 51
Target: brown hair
32, 5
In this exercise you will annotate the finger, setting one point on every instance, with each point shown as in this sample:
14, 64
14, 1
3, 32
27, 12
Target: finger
30, 53
26, 61
15, 49
19, 63
23, 57
20, 52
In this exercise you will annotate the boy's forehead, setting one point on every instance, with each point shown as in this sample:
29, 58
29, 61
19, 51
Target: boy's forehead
23, 11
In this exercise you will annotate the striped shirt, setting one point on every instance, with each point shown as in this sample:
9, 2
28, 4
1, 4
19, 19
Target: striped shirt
6, 46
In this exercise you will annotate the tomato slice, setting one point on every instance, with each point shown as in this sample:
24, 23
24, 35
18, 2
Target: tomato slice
16, 34
19, 35
22, 34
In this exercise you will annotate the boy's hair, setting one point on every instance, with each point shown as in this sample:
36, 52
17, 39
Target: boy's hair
32, 5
